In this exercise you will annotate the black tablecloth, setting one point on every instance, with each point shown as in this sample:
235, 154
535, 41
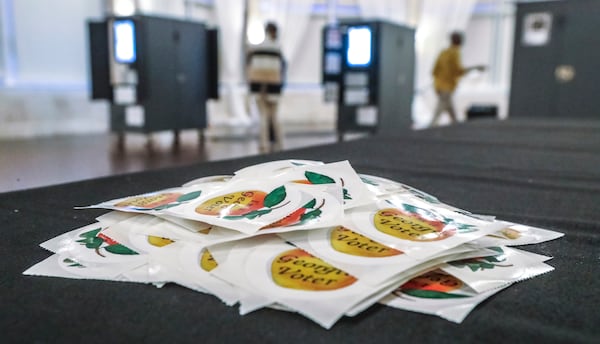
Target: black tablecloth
541, 174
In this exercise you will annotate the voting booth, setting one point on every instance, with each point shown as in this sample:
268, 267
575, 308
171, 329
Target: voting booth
157, 73
368, 70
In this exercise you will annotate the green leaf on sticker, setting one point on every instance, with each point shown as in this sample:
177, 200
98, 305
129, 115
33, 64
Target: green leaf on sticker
91, 243
494, 259
90, 234
431, 294
316, 178
275, 197
347, 194
464, 228
166, 206
250, 216
485, 265
189, 196
473, 266
310, 204
120, 249
368, 181
72, 263
497, 249
233, 217
256, 213
311, 215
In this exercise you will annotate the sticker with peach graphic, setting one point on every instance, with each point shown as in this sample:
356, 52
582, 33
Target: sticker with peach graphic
91, 245
157, 201
318, 210
506, 266
355, 253
314, 178
151, 202
297, 269
341, 174
299, 280
412, 223
433, 285
437, 293
102, 244
247, 204
338, 175
483, 263
308, 212
416, 228
346, 241
244, 207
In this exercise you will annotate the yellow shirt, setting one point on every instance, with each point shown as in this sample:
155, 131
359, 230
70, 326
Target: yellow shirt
448, 69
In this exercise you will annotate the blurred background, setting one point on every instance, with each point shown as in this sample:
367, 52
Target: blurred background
44, 68
52, 130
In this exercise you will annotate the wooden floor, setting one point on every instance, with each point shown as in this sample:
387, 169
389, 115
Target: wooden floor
39, 162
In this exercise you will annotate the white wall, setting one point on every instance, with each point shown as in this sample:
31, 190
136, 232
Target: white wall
51, 40
46, 93
2, 42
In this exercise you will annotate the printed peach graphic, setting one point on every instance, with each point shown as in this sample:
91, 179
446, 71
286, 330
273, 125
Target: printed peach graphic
432, 285
99, 242
243, 204
297, 269
434, 280
410, 226
349, 242
301, 215
233, 204
207, 262
483, 263
149, 202
159, 241
313, 178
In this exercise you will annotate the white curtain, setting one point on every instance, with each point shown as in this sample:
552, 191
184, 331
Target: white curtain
437, 20
230, 21
293, 19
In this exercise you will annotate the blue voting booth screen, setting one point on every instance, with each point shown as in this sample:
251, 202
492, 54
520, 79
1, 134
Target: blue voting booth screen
359, 50
124, 41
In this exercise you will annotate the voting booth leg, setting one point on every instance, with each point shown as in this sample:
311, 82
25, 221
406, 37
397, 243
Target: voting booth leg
176, 139
201, 138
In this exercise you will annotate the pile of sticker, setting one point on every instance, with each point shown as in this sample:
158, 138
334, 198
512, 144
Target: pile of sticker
304, 236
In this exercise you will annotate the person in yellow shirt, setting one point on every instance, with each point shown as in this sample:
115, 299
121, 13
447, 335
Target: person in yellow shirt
447, 71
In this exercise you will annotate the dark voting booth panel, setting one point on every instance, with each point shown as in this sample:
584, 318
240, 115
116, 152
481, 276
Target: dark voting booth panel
156, 72
555, 62
368, 69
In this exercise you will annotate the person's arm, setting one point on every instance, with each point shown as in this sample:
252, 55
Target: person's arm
480, 68
461, 70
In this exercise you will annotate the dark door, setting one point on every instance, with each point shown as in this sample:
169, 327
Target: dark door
533, 90
157, 82
190, 74
558, 78
577, 75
